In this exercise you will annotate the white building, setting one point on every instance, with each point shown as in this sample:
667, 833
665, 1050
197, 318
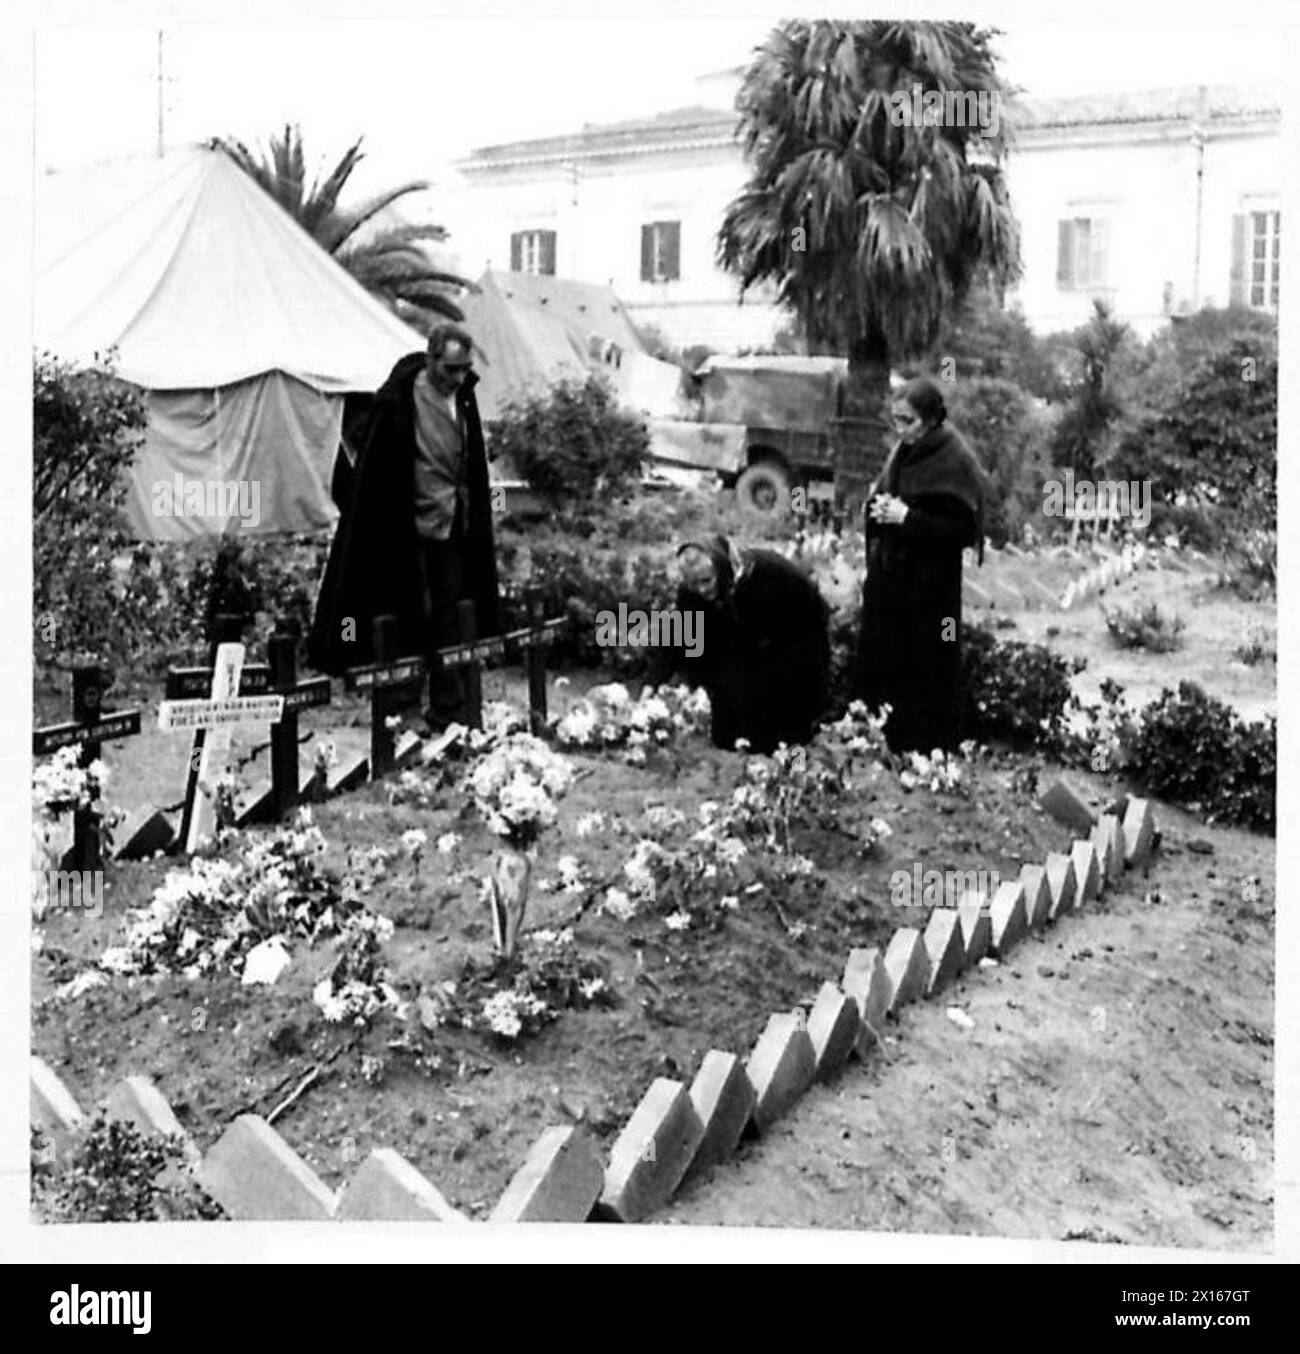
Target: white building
1158, 201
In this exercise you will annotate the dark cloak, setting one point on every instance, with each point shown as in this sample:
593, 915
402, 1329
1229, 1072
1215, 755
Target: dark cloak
375, 562
766, 649
910, 642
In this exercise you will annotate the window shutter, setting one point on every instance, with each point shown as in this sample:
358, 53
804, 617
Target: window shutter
647, 253
517, 252
547, 253
1064, 254
1099, 241
1237, 275
673, 250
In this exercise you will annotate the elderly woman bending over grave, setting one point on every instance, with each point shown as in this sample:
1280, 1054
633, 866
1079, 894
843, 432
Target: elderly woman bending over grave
765, 656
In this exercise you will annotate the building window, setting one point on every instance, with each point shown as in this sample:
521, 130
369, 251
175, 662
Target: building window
533, 251
1265, 256
1081, 253
661, 251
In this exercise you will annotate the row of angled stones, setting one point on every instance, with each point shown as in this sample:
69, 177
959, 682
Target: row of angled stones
675, 1133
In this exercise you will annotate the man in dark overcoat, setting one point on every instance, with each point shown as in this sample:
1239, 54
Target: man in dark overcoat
415, 532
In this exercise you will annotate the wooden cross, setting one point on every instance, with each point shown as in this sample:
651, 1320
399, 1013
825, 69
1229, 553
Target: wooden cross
471, 653
216, 716
393, 683
279, 678
90, 727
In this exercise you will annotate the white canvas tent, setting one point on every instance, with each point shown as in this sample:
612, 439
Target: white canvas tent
243, 332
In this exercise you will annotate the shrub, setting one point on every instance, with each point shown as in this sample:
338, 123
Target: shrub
1015, 689
1195, 750
86, 426
1144, 628
115, 1175
1207, 437
572, 444
1010, 438
985, 340
1101, 393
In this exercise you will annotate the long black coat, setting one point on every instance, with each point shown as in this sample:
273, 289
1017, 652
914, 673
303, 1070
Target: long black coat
374, 565
910, 646
766, 655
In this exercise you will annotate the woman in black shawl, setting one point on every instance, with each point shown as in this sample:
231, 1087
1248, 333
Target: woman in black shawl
765, 660
924, 508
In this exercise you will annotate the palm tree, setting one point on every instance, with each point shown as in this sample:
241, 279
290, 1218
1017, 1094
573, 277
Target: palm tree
871, 227
387, 260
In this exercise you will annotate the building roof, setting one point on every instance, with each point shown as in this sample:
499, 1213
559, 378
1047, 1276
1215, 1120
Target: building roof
700, 126
199, 279
530, 332
1180, 103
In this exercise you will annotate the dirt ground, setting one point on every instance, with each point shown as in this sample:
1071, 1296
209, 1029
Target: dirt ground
1116, 1086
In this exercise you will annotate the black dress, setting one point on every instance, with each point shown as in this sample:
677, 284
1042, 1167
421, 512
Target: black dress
766, 654
910, 640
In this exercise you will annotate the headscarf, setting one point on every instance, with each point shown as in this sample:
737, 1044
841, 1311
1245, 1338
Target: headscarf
940, 463
728, 565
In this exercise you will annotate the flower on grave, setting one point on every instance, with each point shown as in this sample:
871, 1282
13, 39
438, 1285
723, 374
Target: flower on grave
677, 921
414, 840
569, 871
447, 843
881, 828
516, 786
618, 905
589, 823
591, 988
392, 723
730, 902
663, 818
797, 930
505, 1012
327, 755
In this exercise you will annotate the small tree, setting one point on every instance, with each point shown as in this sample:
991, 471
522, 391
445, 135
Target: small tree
86, 426
572, 444
1100, 392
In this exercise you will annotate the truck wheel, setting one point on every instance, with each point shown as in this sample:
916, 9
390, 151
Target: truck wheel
764, 488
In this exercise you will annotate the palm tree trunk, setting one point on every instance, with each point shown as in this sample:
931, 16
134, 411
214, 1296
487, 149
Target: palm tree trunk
863, 425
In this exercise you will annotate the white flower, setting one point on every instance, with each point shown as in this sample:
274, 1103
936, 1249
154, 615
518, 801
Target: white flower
589, 823
618, 905
333, 1008
569, 869
414, 840
677, 921
448, 842
881, 828
730, 902
591, 988
796, 930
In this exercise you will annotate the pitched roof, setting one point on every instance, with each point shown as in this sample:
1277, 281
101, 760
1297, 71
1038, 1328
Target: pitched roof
530, 332
199, 279
710, 126
1177, 103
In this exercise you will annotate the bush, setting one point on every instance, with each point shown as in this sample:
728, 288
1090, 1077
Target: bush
573, 444
1010, 438
987, 341
1101, 394
115, 1175
86, 426
1144, 628
1207, 437
1014, 689
1195, 750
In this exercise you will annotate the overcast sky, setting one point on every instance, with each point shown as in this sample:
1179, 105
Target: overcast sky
427, 90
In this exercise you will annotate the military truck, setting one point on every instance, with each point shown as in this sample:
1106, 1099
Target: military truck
765, 426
